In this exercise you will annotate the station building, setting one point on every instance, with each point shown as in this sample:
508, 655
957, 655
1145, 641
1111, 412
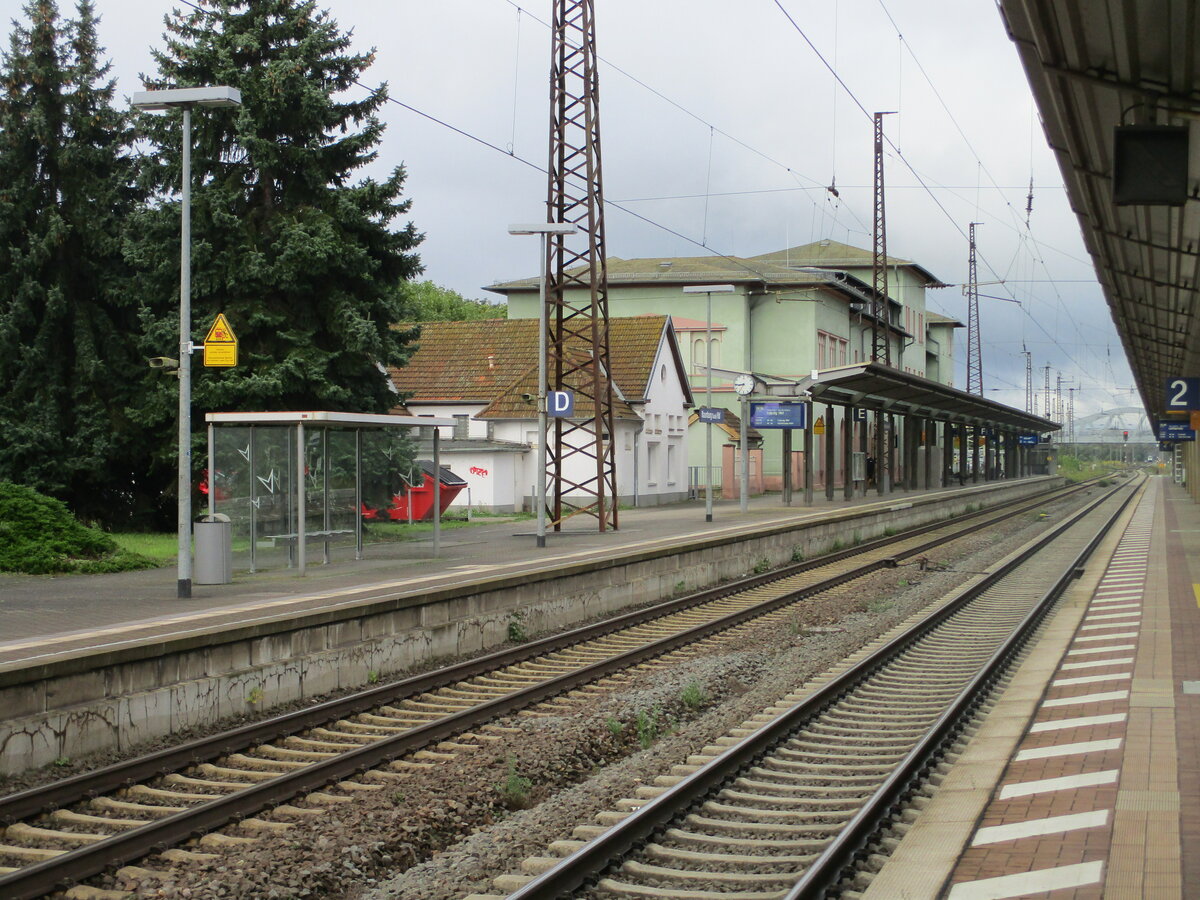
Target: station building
787, 316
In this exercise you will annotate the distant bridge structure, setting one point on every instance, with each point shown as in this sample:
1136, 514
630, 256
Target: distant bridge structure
1110, 425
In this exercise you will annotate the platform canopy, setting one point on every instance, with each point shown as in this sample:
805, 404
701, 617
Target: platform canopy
878, 387
1117, 84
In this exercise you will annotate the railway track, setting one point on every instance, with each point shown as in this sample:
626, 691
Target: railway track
62, 833
793, 804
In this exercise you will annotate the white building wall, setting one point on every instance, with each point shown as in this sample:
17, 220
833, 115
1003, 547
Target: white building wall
650, 455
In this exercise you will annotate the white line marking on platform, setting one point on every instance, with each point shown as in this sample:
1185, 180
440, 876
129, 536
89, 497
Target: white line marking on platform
1014, 831
1068, 749
1127, 615
1065, 783
1115, 605
1079, 722
1097, 663
1106, 637
1087, 651
1102, 697
1104, 625
1089, 679
1022, 883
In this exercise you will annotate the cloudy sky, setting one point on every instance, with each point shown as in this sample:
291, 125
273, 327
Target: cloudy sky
723, 126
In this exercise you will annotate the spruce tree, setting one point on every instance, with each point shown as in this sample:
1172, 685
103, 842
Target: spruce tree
67, 354
300, 251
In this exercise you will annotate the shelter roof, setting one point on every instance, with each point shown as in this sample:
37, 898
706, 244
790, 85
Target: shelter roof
874, 386
324, 419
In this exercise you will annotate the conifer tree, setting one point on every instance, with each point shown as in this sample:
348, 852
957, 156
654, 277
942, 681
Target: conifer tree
67, 352
300, 251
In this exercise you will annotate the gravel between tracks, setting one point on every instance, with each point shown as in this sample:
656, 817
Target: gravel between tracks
575, 766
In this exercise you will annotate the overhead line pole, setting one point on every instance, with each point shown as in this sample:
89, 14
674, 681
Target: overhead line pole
881, 339
582, 465
974, 353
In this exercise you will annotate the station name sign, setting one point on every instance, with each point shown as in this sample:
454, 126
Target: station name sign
1027, 439
1175, 431
779, 415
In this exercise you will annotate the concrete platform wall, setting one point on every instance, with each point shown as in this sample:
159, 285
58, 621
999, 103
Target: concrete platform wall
74, 706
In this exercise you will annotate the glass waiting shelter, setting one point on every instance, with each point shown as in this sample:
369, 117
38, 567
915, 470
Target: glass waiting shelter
288, 480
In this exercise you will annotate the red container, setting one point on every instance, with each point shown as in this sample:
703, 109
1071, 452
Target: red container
421, 496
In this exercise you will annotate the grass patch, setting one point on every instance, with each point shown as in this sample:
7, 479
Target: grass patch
516, 628
515, 789
647, 727
160, 547
40, 536
694, 695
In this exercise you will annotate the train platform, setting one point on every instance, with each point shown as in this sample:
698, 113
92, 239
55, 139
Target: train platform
1084, 779
43, 617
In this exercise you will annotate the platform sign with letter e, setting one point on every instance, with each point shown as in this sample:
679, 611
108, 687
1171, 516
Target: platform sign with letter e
220, 344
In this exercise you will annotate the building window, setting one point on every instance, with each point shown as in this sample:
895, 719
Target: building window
699, 359
831, 350
670, 463
652, 463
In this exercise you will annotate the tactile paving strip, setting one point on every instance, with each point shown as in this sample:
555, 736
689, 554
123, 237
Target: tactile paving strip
1049, 824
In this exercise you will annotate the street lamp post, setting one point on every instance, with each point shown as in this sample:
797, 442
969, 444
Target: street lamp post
184, 99
708, 290
541, 230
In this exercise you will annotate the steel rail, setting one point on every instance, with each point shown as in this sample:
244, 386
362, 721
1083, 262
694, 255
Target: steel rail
34, 801
75, 865
657, 813
829, 868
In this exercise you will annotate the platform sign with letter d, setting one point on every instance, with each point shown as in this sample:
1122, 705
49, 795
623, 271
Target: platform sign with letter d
560, 404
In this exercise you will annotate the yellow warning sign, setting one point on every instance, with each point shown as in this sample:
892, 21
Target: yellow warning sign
819, 425
220, 344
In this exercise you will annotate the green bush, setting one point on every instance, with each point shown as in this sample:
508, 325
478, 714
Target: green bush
39, 536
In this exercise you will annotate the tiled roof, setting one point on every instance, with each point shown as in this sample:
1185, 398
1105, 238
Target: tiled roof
732, 426
511, 402
932, 318
681, 324
475, 361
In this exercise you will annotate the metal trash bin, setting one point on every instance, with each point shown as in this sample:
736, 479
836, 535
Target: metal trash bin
214, 550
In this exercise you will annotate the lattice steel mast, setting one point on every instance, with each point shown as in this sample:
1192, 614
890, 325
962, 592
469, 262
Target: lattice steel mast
974, 353
581, 462
881, 344
1028, 381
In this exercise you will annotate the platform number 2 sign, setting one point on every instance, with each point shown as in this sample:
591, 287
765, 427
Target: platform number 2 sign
1183, 394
